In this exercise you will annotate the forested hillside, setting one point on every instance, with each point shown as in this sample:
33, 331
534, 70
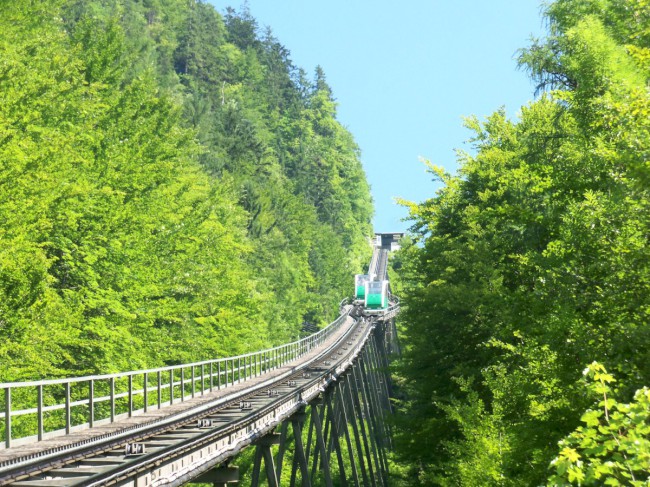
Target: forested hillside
172, 188
532, 264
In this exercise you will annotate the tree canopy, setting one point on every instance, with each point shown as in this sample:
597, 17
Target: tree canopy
533, 262
172, 188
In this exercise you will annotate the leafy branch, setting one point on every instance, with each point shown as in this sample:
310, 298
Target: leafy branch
613, 448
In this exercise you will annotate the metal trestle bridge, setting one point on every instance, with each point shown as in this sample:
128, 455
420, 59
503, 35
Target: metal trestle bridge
315, 411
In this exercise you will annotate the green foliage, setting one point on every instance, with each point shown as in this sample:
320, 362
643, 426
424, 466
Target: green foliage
613, 447
149, 213
532, 261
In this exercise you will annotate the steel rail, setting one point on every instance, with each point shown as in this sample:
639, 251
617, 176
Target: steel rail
296, 400
58, 458
271, 368
229, 368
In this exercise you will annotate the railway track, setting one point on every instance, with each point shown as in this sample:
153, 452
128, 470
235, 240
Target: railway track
199, 436
178, 435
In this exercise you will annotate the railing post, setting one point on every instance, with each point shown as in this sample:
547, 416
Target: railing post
130, 395
145, 391
193, 382
218, 375
91, 403
159, 389
67, 408
203, 379
8, 417
39, 406
112, 386
182, 384
171, 387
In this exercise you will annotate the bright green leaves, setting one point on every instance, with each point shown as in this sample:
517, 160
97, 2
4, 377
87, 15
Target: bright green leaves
165, 195
534, 260
613, 448
586, 58
118, 251
296, 171
596, 61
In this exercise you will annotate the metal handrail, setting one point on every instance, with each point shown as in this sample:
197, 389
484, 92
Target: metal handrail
222, 372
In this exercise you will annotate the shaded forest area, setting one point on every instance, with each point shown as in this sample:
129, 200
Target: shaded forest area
527, 288
172, 188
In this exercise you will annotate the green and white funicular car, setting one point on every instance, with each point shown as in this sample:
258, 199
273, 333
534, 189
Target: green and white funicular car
376, 298
360, 281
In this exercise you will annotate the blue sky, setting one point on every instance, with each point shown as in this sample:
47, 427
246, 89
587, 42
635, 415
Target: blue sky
405, 73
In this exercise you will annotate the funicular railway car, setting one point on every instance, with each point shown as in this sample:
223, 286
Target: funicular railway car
360, 281
376, 297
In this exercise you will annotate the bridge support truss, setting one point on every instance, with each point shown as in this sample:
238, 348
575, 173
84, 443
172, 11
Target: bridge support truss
340, 438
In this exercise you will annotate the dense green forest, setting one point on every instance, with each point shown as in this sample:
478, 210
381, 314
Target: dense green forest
527, 285
172, 188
